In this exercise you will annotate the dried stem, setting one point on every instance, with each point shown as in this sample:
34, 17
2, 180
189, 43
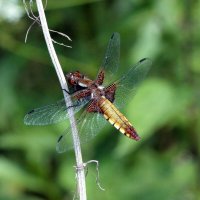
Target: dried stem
80, 165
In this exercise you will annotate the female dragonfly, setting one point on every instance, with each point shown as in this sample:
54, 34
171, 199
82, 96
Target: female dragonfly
99, 99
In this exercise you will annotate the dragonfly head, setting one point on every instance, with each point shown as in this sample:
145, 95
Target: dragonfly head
74, 78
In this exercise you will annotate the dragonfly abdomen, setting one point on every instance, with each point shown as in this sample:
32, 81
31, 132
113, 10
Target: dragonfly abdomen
117, 119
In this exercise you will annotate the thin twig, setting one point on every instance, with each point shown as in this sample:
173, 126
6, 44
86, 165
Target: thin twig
61, 44
60, 33
27, 32
79, 162
37, 20
85, 165
97, 170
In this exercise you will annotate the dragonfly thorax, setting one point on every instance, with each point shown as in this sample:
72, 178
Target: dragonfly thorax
97, 91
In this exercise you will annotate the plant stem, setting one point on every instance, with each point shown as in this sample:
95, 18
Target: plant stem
80, 175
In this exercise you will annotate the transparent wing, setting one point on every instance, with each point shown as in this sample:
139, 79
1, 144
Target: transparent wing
127, 84
89, 125
52, 113
110, 63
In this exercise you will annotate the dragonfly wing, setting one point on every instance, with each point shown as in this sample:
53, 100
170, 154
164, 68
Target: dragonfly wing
128, 83
110, 63
52, 113
88, 125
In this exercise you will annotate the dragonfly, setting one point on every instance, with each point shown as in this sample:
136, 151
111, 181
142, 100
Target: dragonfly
99, 100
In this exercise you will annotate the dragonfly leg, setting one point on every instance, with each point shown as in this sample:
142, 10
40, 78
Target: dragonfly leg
66, 91
79, 102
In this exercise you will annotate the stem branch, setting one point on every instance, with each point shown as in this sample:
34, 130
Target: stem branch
80, 172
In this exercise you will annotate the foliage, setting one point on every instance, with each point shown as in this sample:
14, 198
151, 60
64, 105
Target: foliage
165, 111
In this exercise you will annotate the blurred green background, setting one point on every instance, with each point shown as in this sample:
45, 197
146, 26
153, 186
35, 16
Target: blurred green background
165, 111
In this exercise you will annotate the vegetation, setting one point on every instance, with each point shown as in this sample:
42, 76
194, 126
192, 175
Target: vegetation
165, 111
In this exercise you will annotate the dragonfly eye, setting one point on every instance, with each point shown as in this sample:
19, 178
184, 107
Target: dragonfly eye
77, 74
73, 81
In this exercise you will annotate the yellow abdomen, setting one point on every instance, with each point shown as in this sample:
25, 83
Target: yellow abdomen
117, 119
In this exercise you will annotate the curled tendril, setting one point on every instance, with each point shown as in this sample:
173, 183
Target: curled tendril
36, 19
